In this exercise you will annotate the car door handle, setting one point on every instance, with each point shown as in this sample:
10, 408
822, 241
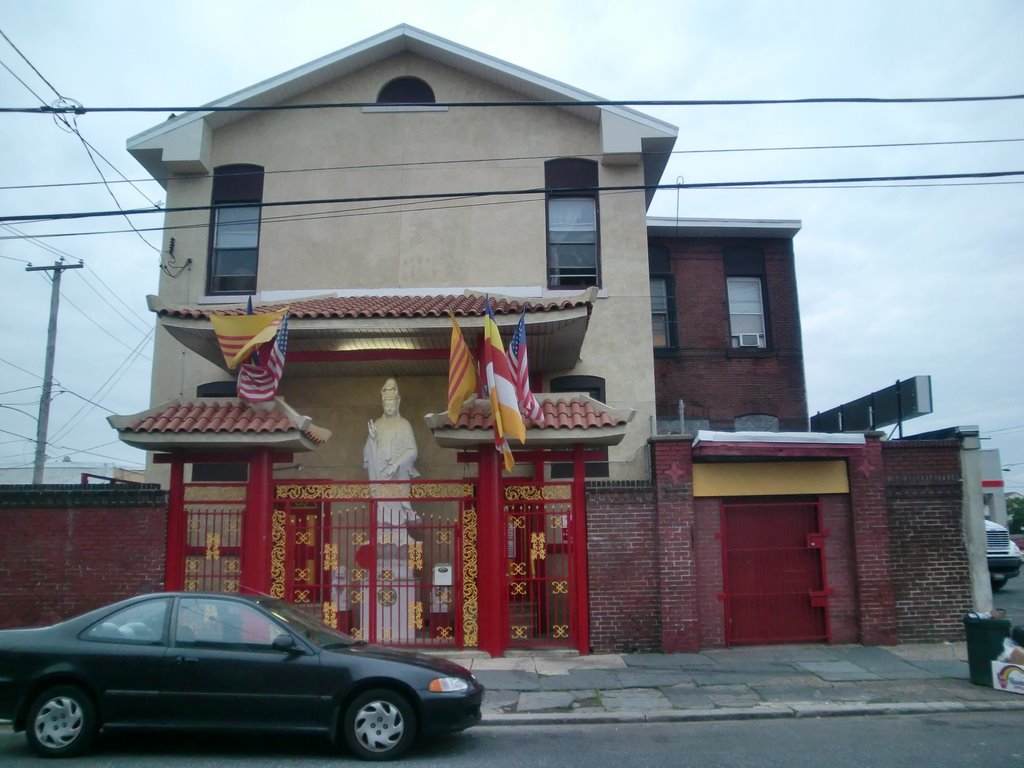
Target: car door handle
188, 660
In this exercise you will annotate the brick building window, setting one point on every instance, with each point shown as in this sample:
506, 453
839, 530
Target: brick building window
234, 229
746, 313
663, 299
748, 316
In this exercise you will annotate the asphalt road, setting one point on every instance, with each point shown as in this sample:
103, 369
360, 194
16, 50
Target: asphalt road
1011, 598
963, 740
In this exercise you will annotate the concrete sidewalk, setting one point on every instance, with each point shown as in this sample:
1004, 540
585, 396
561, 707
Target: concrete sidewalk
735, 683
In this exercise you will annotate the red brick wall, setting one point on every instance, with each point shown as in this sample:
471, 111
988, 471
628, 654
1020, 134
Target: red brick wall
930, 573
840, 569
715, 381
59, 556
680, 586
710, 584
622, 567
871, 545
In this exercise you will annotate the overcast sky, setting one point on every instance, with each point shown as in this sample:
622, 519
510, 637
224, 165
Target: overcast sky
894, 281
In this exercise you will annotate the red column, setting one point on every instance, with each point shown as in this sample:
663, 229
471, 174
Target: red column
174, 565
256, 526
492, 598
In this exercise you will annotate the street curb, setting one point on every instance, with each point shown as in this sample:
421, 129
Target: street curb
760, 712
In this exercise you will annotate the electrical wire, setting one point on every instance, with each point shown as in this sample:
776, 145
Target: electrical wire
515, 158
59, 113
210, 108
56, 252
538, 191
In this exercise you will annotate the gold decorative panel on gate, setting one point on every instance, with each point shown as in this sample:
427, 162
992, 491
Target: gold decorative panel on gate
539, 564
214, 516
383, 562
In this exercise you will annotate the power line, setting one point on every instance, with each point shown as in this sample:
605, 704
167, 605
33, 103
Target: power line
539, 191
82, 110
513, 158
405, 207
59, 111
64, 254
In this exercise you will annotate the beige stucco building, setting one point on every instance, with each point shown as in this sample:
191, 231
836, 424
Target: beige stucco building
397, 191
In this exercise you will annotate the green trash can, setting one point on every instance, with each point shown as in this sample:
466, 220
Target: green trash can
984, 644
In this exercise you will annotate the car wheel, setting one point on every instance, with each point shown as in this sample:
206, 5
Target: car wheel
379, 725
998, 582
61, 722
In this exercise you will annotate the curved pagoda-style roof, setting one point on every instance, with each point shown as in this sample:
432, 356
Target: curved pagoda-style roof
569, 418
228, 425
371, 335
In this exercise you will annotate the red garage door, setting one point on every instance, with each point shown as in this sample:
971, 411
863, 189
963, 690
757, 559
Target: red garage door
774, 578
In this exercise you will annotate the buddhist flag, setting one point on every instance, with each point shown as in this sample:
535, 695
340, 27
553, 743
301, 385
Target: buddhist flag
239, 335
501, 390
461, 372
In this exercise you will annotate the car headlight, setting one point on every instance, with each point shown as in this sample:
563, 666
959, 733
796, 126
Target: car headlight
448, 685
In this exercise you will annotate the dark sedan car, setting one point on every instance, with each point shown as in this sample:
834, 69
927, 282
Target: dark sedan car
224, 662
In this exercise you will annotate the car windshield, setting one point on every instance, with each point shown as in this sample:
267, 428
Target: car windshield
306, 626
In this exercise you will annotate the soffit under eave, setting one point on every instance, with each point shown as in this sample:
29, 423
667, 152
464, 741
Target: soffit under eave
535, 438
554, 339
243, 442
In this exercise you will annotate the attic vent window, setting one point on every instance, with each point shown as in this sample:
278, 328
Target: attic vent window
406, 90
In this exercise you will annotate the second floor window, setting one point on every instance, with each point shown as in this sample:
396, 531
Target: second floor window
572, 215
235, 229
746, 313
572, 241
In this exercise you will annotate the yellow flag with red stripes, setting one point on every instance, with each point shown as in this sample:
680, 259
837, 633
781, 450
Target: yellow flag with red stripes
239, 335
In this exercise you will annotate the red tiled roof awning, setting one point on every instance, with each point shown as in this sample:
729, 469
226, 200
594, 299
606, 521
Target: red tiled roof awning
229, 424
392, 335
569, 418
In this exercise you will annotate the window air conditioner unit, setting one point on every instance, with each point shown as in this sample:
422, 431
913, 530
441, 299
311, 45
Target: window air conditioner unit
750, 339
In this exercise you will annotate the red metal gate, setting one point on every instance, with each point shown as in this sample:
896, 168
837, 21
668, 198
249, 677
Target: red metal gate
213, 521
541, 568
774, 575
382, 561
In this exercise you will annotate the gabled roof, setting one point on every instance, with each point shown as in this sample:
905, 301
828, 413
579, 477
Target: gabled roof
568, 418
624, 131
229, 424
392, 335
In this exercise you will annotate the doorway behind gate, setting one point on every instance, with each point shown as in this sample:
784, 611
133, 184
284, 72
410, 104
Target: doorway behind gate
774, 572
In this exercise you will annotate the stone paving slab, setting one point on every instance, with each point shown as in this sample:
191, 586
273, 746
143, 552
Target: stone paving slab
838, 670
508, 680
581, 678
545, 701
667, 660
634, 700
688, 697
647, 678
732, 696
944, 668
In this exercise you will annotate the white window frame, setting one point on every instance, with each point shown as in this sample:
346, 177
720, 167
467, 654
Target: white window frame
746, 316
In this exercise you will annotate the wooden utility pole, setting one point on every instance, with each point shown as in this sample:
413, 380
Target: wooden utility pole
51, 347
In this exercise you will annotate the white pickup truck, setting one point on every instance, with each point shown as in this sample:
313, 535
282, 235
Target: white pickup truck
1003, 555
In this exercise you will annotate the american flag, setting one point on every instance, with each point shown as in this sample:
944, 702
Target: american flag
518, 362
258, 383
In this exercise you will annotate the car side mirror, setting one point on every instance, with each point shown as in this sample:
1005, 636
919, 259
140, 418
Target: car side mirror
285, 642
